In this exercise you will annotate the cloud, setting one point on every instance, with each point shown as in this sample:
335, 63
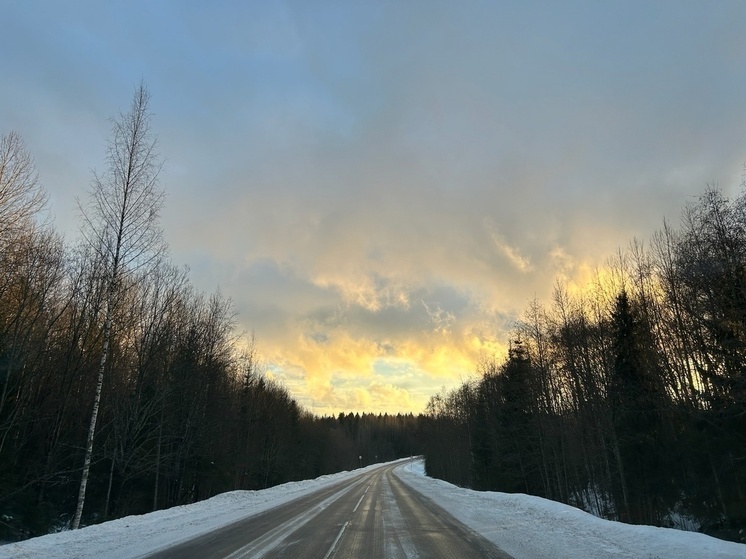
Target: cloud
382, 187
442, 320
511, 253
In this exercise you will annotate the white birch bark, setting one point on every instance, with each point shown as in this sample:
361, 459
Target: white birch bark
121, 223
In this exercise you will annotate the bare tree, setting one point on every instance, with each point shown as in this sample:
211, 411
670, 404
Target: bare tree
21, 195
120, 222
21, 198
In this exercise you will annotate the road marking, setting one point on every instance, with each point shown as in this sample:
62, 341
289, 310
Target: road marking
336, 541
274, 537
358, 503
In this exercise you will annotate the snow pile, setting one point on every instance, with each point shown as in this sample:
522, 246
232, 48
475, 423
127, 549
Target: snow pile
526, 526
521, 525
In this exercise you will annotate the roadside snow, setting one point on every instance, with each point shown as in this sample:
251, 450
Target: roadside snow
140, 535
521, 525
531, 527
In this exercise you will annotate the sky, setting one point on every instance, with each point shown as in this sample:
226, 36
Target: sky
381, 188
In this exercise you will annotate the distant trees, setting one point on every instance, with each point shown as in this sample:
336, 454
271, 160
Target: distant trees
353, 440
627, 400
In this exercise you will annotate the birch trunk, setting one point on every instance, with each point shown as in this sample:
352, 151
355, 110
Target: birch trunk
121, 226
94, 418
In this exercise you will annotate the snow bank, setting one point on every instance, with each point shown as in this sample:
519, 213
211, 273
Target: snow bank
140, 535
531, 527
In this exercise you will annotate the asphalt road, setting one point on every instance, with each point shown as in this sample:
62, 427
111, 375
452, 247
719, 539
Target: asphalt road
373, 515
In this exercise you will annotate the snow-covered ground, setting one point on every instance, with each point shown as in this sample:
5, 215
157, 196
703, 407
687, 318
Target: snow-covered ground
523, 526
137, 536
531, 527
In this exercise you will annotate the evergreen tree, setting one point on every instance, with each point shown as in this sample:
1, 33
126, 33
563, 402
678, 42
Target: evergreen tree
637, 402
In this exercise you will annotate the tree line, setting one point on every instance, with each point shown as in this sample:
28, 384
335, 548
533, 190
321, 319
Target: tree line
627, 399
123, 389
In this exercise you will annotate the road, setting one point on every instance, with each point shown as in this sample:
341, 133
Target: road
373, 515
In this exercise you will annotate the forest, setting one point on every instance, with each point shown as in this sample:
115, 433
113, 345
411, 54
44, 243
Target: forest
626, 399
123, 389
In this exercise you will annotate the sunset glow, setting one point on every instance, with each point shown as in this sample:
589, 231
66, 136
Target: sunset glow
383, 187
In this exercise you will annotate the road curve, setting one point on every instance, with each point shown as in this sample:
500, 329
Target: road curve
373, 515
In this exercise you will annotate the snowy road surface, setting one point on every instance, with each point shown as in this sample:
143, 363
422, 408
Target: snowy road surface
524, 527
368, 516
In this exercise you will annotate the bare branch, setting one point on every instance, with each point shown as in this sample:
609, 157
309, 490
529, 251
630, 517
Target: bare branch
21, 196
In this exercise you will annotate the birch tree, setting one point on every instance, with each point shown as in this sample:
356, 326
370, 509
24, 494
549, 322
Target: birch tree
120, 222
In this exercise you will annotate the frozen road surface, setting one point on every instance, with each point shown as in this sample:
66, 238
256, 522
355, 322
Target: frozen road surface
371, 515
